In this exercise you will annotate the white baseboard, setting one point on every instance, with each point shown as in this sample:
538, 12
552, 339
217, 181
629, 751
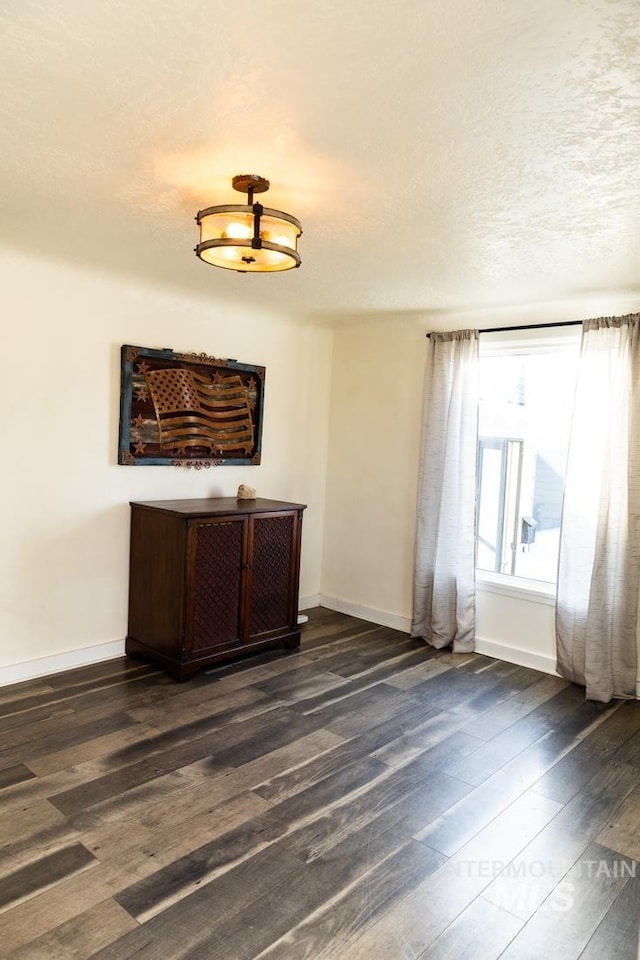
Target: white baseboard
44, 666
381, 617
523, 658
306, 603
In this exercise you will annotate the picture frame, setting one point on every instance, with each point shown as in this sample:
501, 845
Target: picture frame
189, 409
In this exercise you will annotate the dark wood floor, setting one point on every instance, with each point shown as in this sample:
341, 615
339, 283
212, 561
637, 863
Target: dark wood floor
365, 797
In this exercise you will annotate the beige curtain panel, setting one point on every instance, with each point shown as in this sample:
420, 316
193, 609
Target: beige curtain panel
444, 578
599, 563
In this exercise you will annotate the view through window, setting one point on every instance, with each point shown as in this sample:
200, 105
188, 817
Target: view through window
526, 394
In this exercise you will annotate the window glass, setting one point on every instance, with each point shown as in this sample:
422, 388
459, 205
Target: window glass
526, 395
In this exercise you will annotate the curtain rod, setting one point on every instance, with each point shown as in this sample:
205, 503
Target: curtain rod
525, 326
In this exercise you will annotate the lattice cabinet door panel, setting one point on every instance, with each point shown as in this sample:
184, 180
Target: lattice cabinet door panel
272, 601
217, 562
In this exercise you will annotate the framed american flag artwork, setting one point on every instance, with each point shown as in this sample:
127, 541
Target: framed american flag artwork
188, 409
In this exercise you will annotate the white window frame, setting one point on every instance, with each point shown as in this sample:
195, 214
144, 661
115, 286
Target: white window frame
500, 343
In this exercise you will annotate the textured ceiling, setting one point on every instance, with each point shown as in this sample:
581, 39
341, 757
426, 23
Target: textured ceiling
441, 154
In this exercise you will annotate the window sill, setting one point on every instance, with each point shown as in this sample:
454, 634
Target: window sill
518, 587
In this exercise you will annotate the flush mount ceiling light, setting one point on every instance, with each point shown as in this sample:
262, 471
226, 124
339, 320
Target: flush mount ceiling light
248, 238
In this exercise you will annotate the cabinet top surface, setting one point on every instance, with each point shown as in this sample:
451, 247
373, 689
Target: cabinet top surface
217, 505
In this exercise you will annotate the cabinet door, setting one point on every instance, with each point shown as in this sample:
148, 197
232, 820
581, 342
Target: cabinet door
217, 554
273, 573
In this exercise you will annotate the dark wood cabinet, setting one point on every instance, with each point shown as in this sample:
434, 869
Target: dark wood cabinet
211, 579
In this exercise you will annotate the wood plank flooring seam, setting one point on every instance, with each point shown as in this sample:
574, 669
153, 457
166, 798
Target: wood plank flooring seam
34, 878
81, 693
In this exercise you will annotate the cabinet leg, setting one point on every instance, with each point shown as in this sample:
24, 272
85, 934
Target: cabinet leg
183, 671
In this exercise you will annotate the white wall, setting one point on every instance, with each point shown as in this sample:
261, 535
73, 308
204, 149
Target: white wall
375, 425
64, 558
372, 471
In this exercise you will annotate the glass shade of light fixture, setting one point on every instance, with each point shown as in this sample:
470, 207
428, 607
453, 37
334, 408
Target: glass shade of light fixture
248, 238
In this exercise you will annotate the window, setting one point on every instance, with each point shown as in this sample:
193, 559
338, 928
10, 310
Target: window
527, 382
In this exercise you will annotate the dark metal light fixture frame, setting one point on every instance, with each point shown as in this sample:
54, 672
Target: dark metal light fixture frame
248, 238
